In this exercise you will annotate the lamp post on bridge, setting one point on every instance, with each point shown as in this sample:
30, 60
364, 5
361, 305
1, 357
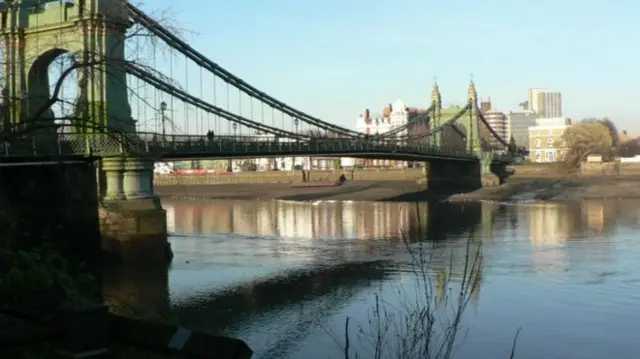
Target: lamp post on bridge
377, 136
163, 109
230, 163
296, 122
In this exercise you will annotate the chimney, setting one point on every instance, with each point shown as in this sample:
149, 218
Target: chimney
485, 105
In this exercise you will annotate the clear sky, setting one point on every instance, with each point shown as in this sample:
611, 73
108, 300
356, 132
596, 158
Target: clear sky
334, 58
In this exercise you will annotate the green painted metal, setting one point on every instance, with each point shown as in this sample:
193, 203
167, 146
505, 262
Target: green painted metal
463, 120
470, 122
436, 100
94, 32
91, 30
486, 159
154, 146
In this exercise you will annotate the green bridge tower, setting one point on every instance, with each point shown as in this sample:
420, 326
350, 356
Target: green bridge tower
436, 120
36, 32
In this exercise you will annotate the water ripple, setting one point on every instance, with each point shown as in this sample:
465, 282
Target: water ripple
283, 274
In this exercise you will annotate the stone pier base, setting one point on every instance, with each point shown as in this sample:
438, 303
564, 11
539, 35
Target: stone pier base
133, 223
447, 174
134, 231
490, 180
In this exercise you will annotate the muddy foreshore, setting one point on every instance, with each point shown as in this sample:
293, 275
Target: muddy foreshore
516, 188
352, 190
558, 188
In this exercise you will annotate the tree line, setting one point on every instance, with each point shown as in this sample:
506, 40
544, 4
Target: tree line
597, 137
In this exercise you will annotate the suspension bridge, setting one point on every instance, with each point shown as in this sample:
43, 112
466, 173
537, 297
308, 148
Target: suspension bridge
115, 81
130, 92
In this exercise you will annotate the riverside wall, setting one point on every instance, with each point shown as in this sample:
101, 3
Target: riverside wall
289, 177
543, 170
408, 174
610, 169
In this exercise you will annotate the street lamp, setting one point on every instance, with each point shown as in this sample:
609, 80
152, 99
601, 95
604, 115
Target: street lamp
163, 108
377, 123
235, 127
296, 122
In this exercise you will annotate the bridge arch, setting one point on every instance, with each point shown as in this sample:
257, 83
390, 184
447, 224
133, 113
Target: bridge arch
36, 35
42, 78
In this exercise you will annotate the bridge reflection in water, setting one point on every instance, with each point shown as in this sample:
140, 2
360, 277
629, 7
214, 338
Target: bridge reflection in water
274, 272
309, 220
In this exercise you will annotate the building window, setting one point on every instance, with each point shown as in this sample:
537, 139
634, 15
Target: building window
551, 156
538, 155
550, 143
538, 142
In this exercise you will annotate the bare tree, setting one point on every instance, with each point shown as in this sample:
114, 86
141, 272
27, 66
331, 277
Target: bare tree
315, 133
629, 148
76, 67
428, 323
45, 260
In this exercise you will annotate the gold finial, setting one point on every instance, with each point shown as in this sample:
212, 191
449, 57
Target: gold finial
435, 93
471, 93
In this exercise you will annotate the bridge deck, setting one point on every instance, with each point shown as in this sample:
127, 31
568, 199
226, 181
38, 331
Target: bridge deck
157, 147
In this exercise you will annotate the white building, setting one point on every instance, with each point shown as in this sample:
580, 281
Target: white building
519, 122
545, 139
533, 98
545, 102
392, 117
285, 163
499, 123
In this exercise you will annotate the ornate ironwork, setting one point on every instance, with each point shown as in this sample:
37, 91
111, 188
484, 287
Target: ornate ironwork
155, 146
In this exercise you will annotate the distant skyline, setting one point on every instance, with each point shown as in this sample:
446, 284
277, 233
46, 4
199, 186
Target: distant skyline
334, 58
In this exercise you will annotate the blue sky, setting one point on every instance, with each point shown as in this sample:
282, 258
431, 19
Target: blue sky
335, 58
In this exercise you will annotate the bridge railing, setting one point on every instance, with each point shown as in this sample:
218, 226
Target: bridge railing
176, 146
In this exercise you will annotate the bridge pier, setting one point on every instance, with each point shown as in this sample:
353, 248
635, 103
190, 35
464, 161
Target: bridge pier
500, 171
133, 224
447, 174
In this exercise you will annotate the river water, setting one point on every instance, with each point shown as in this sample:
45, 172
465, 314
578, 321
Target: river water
285, 276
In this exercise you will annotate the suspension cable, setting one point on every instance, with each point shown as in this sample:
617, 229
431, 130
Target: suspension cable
184, 96
175, 42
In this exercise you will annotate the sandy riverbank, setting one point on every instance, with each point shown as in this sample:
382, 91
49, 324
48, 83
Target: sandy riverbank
516, 188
